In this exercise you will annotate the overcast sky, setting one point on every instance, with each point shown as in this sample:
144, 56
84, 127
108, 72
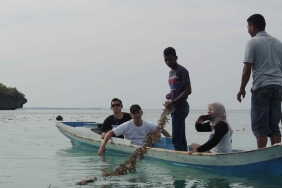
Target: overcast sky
84, 53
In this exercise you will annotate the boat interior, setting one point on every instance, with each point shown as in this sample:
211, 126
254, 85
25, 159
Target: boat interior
164, 143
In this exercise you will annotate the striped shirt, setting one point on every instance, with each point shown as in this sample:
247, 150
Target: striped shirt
265, 53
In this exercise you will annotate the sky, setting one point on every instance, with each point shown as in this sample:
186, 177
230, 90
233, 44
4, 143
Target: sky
81, 54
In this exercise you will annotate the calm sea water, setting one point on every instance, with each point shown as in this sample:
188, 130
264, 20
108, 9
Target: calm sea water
33, 153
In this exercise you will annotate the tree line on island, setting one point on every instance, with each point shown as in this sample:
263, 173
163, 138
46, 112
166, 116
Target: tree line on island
11, 98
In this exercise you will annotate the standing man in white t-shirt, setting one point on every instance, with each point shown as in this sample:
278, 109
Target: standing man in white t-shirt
134, 130
263, 58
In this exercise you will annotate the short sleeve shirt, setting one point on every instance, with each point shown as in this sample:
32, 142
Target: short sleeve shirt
134, 133
111, 122
177, 79
265, 53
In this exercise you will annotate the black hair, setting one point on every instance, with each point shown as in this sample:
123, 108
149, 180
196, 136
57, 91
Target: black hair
258, 21
59, 118
170, 51
116, 99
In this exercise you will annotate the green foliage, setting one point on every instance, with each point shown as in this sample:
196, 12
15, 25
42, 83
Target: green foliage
11, 92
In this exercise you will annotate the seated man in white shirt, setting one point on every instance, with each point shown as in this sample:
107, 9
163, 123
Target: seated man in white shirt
134, 130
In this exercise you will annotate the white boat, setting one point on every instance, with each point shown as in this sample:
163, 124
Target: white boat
261, 161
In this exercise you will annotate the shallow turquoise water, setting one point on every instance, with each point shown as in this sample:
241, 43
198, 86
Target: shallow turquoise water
33, 153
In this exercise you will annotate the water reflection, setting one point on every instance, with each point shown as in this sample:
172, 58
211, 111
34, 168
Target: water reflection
212, 182
78, 163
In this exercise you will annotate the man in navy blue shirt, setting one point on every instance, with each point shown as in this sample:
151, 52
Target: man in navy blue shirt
180, 88
116, 119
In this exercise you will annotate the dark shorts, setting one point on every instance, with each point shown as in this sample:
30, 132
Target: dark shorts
266, 110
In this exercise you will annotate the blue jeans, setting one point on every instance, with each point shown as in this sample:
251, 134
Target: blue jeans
178, 129
266, 110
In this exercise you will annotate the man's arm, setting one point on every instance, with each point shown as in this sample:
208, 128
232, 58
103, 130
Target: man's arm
165, 133
105, 141
183, 95
167, 96
245, 79
106, 127
103, 135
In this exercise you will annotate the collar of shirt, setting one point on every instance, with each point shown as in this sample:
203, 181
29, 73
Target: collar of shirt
262, 33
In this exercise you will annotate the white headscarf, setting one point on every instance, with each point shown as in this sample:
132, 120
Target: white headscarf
218, 115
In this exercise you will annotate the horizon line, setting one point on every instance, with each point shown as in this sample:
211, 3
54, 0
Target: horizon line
103, 108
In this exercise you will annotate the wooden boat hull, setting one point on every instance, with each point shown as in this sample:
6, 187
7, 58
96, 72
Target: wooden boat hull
260, 161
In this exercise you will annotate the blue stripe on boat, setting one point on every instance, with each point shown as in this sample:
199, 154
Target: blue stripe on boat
83, 124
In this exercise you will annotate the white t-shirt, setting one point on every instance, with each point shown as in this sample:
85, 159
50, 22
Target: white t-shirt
134, 133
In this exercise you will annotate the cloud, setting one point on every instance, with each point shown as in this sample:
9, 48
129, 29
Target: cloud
84, 53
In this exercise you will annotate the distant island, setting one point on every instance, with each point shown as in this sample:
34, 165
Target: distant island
11, 98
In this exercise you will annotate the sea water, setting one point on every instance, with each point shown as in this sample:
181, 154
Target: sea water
33, 153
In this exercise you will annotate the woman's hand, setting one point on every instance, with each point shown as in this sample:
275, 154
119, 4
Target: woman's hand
192, 151
200, 119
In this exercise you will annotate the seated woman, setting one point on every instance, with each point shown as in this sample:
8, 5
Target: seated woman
220, 138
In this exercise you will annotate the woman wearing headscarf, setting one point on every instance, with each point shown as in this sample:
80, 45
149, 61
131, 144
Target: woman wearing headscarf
220, 138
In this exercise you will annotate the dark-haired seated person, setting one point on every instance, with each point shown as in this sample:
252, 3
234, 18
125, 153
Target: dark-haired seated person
59, 118
116, 119
220, 138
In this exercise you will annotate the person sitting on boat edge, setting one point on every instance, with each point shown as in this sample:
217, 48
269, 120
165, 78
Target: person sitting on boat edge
134, 130
116, 119
220, 138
